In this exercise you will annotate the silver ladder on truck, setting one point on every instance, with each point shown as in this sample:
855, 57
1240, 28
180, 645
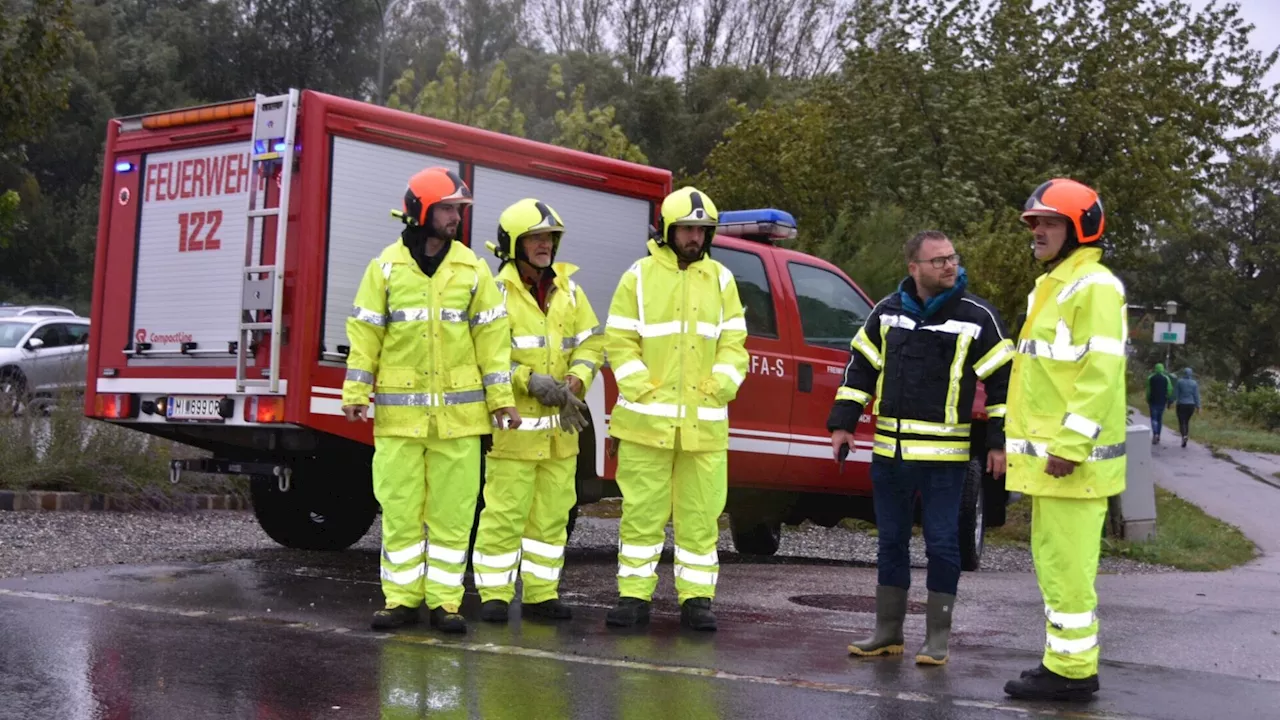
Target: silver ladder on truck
275, 124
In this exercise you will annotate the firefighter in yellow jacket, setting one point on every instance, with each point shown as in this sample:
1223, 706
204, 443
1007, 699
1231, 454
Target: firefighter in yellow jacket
429, 337
1065, 430
675, 338
556, 349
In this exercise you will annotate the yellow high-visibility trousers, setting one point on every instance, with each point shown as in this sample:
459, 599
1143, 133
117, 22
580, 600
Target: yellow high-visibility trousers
523, 527
1066, 539
425, 486
689, 488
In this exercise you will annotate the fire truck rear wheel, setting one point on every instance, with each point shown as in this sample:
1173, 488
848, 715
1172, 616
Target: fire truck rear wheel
753, 535
972, 518
312, 516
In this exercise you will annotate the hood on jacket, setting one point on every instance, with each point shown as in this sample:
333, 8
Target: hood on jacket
1186, 373
1159, 367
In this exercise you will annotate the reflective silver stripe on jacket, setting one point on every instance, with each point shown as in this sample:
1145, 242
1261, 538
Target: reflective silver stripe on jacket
368, 316
429, 399
1041, 450
528, 342
360, 376
570, 343
497, 378
485, 317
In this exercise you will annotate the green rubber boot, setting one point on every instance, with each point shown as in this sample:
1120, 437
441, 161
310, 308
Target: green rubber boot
937, 625
891, 610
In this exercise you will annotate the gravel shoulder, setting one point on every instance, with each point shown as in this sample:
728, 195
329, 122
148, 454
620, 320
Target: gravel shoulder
49, 542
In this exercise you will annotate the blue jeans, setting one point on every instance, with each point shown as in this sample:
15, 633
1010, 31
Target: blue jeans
894, 484
1157, 419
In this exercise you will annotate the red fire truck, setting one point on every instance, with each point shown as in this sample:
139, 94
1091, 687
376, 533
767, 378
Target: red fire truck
219, 310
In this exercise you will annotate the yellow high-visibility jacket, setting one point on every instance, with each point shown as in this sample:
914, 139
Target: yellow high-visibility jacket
430, 348
1067, 388
676, 341
566, 340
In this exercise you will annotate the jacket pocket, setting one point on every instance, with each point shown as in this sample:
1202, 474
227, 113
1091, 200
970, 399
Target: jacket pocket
466, 377
396, 378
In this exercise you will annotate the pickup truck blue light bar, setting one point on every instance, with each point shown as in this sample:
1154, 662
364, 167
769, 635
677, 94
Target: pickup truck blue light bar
761, 225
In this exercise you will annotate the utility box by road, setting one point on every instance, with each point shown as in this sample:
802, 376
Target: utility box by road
1133, 512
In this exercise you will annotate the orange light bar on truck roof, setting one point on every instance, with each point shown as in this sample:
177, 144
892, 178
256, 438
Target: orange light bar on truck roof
194, 116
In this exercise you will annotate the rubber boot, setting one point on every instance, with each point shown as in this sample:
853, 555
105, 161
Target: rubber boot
1041, 683
629, 612
392, 618
494, 611
450, 622
891, 610
937, 625
695, 614
551, 609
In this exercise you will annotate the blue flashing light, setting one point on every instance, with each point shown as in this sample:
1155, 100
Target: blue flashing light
124, 166
259, 147
280, 147
761, 224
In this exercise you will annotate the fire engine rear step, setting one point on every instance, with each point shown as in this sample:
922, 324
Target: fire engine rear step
275, 123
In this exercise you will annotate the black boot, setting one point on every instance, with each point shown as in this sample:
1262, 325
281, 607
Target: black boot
450, 622
629, 612
1184, 441
494, 611
937, 630
551, 609
695, 614
394, 617
1041, 683
891, 611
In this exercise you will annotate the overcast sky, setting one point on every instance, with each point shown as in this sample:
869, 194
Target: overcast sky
1265, 16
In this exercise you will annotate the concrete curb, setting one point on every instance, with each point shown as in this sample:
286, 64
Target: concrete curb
49, 501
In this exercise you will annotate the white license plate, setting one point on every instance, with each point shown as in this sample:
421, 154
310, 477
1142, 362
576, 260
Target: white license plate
182, 407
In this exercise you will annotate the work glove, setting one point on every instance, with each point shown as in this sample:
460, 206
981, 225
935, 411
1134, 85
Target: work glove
573, 416
548, 390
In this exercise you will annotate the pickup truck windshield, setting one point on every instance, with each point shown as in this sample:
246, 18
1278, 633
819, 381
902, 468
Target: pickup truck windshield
831, 311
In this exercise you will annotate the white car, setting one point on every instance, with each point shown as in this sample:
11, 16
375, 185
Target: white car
7, 310
40, 356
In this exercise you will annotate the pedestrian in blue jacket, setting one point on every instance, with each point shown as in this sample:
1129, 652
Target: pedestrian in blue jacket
1188, 399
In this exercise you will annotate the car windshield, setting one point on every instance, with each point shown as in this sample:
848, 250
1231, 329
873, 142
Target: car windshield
9, 311
11, 333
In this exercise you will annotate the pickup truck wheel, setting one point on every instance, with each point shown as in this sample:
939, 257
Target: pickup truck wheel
753, 536
312, 517
972, 518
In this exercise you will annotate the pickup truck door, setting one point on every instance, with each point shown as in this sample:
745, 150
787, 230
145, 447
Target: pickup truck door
831, 312
759, 417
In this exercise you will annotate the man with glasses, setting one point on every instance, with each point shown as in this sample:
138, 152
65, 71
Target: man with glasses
920, 355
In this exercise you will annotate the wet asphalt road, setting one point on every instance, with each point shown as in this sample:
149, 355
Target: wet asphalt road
275, 638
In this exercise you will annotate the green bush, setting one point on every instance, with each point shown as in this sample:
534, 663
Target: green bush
1259, 406
61, 450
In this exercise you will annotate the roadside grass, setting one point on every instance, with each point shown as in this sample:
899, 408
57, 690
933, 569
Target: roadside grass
62, 450
1186, 537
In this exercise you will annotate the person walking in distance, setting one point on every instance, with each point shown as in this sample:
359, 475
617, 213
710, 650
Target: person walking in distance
556, 348
1066, 428
429, 336
1188, 399
676, 340
921, 353
1159, 396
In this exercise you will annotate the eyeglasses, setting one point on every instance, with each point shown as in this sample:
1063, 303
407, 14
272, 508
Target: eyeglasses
940, 262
